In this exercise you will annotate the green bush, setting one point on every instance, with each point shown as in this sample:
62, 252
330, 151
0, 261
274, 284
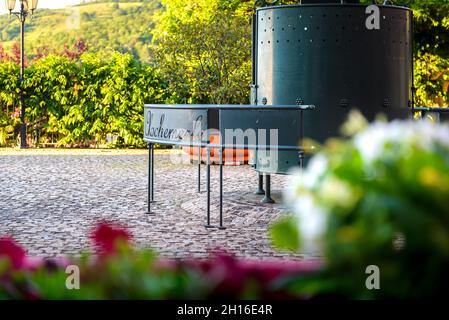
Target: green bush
9, 89
72, 103
379, 199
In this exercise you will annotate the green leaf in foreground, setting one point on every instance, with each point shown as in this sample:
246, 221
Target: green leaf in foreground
285, 235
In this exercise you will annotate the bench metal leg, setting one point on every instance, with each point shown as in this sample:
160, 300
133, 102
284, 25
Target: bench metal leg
267, 198
260, 190
199, 169
150, 178
221, 227
208, 225
152, 172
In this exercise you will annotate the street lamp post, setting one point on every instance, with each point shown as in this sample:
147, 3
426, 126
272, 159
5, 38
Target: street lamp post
25, 8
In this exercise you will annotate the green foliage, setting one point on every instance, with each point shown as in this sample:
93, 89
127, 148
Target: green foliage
378, 199
9, 90
431, 30
106, 26
431, 79
203, 49
432, 26
284, 234
82, 102
131, 275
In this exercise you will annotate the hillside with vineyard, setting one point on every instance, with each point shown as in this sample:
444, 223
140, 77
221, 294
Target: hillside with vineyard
124, 26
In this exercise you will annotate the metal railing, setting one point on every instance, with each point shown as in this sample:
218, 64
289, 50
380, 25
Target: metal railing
433, 113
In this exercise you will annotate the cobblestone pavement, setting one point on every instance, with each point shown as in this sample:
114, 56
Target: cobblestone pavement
50, 201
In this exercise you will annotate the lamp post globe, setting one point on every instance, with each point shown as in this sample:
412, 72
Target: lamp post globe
26, 7
33, 4
10, 5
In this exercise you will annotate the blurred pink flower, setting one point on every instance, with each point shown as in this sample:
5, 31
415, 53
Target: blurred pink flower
106, 236
33, 263
267, 271
230, 276
13, 252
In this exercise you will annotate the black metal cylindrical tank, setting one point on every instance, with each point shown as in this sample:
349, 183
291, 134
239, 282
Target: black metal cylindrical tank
324, 55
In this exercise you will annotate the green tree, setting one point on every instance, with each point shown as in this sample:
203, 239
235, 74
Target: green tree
9, 94
79, 102
431, 31
203, 49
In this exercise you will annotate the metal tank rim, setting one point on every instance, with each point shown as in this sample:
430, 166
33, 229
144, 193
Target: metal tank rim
327, 5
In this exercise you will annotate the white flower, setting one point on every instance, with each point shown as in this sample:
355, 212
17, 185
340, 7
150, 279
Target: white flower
371, 142
335, 192
291, 192
356, 123
402, 135
312, 220
305, 179
315, 170
439, 134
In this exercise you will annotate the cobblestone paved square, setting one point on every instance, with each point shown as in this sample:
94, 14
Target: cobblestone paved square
50, 199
